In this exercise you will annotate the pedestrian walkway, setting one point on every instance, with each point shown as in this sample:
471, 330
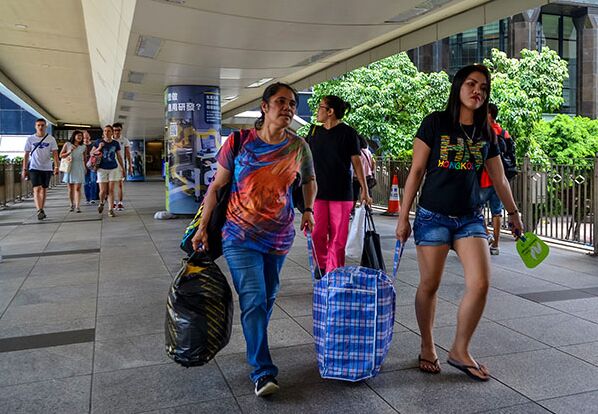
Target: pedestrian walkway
82, 327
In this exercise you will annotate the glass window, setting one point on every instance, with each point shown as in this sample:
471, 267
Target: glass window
11, 121
550, 25
569, 32
470, 35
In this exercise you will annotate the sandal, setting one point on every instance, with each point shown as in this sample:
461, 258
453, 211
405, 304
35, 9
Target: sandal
466, 369
435, 363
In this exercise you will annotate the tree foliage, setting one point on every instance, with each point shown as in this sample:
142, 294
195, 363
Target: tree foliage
388, 98
524, 89
567, 140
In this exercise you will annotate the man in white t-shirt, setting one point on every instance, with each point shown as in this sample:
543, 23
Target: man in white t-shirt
40, 148
124, 143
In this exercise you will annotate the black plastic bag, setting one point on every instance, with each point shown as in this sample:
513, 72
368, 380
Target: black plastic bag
372, 252
199, 313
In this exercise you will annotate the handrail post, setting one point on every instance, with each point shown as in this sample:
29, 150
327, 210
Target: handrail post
595, 207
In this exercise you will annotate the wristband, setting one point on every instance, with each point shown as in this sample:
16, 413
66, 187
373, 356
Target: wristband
308, 210
512, 213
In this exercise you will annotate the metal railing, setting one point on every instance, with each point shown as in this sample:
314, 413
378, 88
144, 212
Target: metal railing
557, 202
12, 187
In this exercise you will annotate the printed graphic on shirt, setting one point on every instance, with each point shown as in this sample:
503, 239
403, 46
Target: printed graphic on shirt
464, 154
260, 211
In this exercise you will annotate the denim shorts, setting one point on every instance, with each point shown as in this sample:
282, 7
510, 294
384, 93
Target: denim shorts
435, 229
488, 195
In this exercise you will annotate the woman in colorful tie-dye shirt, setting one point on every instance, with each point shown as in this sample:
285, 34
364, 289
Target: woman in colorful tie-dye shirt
259, 231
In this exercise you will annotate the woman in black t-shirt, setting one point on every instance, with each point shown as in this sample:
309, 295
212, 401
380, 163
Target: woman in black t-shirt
450, 148
335, 148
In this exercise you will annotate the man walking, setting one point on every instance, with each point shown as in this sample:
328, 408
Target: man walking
40, 148
488, 195
125, 145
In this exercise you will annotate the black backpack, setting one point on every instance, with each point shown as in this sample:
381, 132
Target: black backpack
507, 153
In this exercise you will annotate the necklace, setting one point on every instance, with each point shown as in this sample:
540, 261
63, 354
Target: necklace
466, 134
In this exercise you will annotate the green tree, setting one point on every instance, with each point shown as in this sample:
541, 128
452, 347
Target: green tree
388, 98
567, 140
524, 89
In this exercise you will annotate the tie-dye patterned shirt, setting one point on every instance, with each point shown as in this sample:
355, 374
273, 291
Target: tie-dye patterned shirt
260, 210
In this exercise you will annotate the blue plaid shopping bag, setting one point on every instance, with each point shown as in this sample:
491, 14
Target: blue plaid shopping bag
354, 314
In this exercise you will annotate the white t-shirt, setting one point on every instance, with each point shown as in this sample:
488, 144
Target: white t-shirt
124, 143
41, 159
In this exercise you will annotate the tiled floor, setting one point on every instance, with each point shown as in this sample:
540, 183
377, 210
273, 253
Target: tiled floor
82, 305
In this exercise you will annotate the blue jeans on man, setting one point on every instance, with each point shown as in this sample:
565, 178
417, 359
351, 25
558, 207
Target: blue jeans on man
256, 279
91, 186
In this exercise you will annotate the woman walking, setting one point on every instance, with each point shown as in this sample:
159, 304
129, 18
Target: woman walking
76, 150
91, 178
108, 174
259, 231
451, 147
335, 147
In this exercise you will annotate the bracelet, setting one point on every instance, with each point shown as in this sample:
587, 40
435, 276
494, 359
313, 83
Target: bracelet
308, 210
512, 213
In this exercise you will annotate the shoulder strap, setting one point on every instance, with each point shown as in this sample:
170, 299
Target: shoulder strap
38, 144
236, 142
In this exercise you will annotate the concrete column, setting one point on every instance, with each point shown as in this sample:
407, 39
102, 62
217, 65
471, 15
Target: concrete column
587, 48
523, 31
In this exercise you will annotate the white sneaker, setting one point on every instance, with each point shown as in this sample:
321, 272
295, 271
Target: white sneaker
494, 251
266, 385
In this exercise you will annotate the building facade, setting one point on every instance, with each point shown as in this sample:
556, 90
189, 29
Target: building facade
568, 27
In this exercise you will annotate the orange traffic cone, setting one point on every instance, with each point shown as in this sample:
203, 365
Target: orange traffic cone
394, 204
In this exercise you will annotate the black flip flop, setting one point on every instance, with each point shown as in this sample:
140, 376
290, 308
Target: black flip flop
466, 369
427, 371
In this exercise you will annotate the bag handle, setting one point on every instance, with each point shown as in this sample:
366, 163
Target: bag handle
311, 257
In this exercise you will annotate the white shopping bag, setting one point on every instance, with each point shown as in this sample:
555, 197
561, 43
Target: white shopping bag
354, 247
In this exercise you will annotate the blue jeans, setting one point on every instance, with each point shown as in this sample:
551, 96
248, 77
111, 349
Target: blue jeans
435, 229
488, 195
91, 187
255, 276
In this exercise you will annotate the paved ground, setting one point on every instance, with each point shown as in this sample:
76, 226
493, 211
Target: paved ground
82, 304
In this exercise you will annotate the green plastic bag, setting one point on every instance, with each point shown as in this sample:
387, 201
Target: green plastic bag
532, 250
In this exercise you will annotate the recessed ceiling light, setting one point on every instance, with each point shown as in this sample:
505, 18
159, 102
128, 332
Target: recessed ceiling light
45, 66
259, 83
21, 26
136, 77
77, 125
148, 46
231, 98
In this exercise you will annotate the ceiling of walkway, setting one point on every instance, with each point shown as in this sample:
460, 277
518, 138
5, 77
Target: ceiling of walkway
98, 61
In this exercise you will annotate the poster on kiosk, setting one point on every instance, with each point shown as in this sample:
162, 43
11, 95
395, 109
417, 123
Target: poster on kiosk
137, 149
193, 139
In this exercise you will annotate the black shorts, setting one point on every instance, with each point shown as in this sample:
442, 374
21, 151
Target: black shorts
39, 177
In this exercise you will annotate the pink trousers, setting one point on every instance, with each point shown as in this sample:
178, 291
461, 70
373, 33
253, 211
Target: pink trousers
330, 232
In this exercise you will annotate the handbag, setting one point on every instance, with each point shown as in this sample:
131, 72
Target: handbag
354, 247
66, 164
372, 251
353, 318
217, 218
93, 163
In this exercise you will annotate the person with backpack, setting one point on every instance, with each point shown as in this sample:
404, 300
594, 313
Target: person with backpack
336, 150
40, 149
259, 232
450, 149
506, 145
